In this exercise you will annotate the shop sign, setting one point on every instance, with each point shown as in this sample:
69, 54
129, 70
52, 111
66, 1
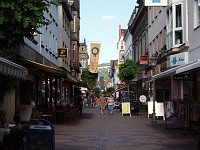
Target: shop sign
155, 3
62, 52
179, 59
186, 77
144, 59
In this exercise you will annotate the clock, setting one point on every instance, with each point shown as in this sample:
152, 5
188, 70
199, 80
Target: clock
95, 50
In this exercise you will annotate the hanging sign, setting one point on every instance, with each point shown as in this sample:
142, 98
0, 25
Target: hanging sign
94, 57
62, 52
143, 59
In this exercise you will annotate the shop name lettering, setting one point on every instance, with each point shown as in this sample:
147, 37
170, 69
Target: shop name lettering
183, 77
155, 1
174, 60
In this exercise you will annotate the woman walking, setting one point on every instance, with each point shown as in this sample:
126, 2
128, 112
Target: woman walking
110, 104
102, 103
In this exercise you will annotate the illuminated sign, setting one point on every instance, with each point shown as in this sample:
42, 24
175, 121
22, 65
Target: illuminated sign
62, 52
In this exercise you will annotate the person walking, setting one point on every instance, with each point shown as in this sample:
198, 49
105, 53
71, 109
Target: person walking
80, 103
102, 103
110, 104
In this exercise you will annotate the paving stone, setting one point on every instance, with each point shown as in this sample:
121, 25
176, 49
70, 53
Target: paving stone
92, 131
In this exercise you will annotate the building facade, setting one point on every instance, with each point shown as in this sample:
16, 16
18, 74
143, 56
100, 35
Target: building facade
49, 80
83, 54
138, 28
75, 29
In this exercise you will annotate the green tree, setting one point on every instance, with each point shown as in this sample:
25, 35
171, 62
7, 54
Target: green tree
89, 78
127, 71
110, 89
19, 19
97, 91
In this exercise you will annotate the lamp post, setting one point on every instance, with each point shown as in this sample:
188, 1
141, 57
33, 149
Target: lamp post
153, 62
73, 72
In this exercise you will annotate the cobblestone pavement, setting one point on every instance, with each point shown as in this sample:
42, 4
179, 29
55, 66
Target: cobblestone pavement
91, 131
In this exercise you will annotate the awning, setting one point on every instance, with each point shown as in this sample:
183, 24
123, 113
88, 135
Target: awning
12, 69
52, 70
188, 67
172, 70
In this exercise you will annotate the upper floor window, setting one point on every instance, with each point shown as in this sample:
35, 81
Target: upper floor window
175, 35
178, 16
74, 48
196, 13
74, 23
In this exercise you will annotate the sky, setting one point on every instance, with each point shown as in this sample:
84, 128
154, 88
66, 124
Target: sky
99, 22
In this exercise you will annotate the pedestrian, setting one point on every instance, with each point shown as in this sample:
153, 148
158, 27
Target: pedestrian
102, 103
110, 104
80, 102
93, 101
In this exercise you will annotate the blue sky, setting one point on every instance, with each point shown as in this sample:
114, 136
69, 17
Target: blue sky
100, 20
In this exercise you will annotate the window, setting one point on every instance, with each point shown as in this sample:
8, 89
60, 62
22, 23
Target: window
64, 20
175, 26
74, 23
169, 28
178, 33
178, 37
140, 47
74, 48
178, 16
196, 13
121, 56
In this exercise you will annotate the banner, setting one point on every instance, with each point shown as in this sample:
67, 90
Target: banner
155, 3
94, 57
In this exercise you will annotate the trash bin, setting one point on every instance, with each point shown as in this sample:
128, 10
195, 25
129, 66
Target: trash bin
40, 136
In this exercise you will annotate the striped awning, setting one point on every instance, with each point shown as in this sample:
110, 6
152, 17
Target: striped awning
12, 69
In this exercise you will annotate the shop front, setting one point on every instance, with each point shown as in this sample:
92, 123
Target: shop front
178, 88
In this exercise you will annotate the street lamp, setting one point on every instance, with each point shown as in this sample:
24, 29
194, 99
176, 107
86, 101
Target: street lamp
153, 62
73, 71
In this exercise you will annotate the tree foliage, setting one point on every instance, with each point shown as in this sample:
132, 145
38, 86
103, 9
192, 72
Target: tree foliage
127, 71
97, 91
110, 89
89, 78
19, 19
